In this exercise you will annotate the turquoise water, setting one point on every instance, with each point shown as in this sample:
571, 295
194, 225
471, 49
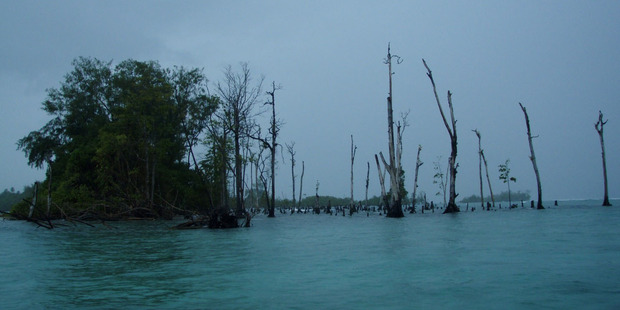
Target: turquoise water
565, 257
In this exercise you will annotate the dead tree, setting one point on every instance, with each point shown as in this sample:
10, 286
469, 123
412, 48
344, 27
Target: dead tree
452, 207
441, 179
399, 151
301, 183
480, 167
599, 128
275, 128
261, 171
238, 98
49, 187
384, 197
291, 150
353, 151
394, 167
486, 168
533, 157
367, 182
418, 164
316, 196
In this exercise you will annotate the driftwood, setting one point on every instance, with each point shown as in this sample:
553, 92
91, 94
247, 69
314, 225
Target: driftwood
216, 220
41, 223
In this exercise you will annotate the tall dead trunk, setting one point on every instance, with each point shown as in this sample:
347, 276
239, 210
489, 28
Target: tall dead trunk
480, 167
49, 187
381, 182
367, 182
301, 183
482, 159
316, 196
452, 207
274, 133
353, 151
393, 168
254, 180
418, 164
291, 150
223, 169
599, 128
238, 164
486, 168
533, 157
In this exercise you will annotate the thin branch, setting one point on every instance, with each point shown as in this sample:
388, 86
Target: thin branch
429, 73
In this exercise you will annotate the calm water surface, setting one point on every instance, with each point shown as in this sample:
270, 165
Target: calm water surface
565, 257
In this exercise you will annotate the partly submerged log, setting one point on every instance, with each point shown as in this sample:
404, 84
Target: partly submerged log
217, 220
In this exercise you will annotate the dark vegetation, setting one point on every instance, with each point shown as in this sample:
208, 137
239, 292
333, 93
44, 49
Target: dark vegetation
121, 143
10, 197
503, 196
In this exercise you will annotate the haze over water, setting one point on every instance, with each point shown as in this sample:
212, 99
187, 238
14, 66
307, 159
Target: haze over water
559, 258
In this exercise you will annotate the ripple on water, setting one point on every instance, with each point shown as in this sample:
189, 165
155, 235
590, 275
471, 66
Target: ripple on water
558, 258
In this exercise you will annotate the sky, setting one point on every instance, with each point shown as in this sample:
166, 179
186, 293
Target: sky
560, 59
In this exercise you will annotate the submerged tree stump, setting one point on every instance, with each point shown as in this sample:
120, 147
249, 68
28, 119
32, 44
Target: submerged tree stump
219, 219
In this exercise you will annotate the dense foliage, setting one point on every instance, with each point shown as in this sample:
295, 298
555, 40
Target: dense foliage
9, 198
121, 138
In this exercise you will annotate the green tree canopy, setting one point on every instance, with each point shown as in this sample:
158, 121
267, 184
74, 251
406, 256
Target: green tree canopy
120, 135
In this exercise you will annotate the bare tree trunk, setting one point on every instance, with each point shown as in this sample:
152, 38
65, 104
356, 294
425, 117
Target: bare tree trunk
486, 167
482, 160
301, 183
316, 195
274, 133
381, 181
509, 198
599, 128
452, 207
533, 157
291, 151
238, 165
395, 207
254, 182
224, 172
353, 151
445, 184
367, 182
418, 164
49, 188
265, 182
34, 199
480, 166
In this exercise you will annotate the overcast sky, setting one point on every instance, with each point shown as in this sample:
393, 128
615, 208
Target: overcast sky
561, 59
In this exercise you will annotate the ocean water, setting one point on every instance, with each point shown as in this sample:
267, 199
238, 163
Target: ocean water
565, 257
